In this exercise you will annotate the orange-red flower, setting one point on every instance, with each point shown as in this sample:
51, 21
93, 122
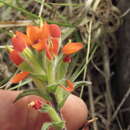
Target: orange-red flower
44, 37
19, 77
15, 57
72, 47
70, 86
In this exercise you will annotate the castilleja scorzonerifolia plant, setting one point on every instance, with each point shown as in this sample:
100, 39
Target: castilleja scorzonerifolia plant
39, 55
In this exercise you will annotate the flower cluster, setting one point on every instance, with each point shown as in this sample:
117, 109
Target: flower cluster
40, 55
37, 53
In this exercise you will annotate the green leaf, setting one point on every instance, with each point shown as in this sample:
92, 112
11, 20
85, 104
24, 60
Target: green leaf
80, 83
38, 76
26, 93
25, 67
52, 112
52, 87
8, 1
61, 96
37, 92
61, 68
21, 84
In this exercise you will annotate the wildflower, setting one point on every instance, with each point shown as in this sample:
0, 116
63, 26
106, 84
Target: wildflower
19, 77
53, 34
44, 37
71, 48
15, 57
70, 86
37, 104
41, 37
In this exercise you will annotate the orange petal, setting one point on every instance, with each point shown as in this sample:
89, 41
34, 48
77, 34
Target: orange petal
48, 52
55, 30
33, 33
15, 57
72, 47
70, 86
19, 77
55, 47
19, 42
45, 31
26, 39
40, 45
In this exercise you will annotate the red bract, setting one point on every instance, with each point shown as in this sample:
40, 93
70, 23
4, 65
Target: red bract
37, 104
15, 57
19, 77
55, 30
19, 41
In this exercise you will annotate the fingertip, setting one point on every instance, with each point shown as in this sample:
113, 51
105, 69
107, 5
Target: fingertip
75, 112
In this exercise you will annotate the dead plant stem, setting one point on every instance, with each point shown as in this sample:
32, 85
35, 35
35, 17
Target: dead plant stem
107, 72
106, 64
91, 102
121, 104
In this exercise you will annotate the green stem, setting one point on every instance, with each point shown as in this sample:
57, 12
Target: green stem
54, 116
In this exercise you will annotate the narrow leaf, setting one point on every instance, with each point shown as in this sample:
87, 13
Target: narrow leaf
61, 96
37, 92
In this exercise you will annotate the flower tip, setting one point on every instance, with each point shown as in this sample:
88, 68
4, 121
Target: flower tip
72, 47
37, 104
19, 77
70, 86
55, 30
15, 57
19, 42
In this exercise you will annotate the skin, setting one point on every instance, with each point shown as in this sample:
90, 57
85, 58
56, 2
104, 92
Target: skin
19, 116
